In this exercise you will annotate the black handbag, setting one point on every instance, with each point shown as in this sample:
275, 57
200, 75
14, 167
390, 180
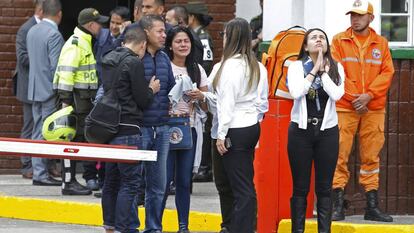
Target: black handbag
102, 123
180, 133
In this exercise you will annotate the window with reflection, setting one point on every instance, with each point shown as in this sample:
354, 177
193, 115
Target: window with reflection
396, 21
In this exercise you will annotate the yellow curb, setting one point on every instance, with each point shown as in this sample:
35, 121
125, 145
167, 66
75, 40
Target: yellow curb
91, 214
339, 227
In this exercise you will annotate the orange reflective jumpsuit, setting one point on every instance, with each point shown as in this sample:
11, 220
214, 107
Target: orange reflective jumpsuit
369, 70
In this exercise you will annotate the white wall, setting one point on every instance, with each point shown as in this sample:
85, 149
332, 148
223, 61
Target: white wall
298, 17
314, 14
335, 20
247, 9
277, 16
328, 15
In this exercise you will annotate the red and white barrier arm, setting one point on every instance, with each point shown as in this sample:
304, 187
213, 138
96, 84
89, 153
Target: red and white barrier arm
74, 150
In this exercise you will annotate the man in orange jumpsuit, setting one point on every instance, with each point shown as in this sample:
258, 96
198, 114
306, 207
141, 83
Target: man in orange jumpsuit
369, 70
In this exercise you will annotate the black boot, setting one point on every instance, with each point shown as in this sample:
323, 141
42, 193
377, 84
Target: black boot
298, 213
372, 212
74, 188
338, 205
204, 174
70, 185
324, 208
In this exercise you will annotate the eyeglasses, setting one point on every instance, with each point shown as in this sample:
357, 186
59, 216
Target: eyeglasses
222, 34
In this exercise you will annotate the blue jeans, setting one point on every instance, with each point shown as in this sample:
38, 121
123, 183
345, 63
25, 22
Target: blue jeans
155, 138
181, 161
120, 188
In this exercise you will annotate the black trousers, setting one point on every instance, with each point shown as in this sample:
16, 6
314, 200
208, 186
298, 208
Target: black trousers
223, 187
233, 173
91, 172
319, 147
89, 167
69, 167
206, 157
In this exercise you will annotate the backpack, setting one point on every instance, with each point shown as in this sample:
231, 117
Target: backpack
102, 122
283, 50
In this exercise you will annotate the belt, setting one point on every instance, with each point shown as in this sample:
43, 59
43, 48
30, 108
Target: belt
314, 120
180, 115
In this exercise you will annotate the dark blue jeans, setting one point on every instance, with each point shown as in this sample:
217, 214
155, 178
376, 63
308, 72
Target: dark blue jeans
155, 173
119, 191
181, 162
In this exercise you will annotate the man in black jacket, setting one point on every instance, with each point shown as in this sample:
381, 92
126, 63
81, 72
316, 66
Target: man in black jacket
134, 94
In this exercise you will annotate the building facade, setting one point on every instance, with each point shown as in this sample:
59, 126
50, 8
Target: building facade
393, 19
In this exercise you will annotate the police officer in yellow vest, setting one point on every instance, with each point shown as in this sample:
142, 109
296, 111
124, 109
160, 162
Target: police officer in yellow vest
76, 83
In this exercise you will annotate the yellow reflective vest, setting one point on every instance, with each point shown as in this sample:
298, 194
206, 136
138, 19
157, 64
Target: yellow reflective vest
77, 65
76, 75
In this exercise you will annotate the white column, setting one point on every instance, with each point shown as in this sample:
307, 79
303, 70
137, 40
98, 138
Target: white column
247, 9
314, 14
298, 9
335, 19
279, 15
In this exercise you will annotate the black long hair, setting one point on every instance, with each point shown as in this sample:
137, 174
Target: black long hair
204, 20
333, 67
190, 63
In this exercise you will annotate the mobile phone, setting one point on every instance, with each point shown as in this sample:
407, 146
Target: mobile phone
227, 143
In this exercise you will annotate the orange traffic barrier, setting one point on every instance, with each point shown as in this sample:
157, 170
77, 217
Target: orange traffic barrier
273, 179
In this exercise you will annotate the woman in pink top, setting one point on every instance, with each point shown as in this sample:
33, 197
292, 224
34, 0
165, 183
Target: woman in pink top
180, 48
